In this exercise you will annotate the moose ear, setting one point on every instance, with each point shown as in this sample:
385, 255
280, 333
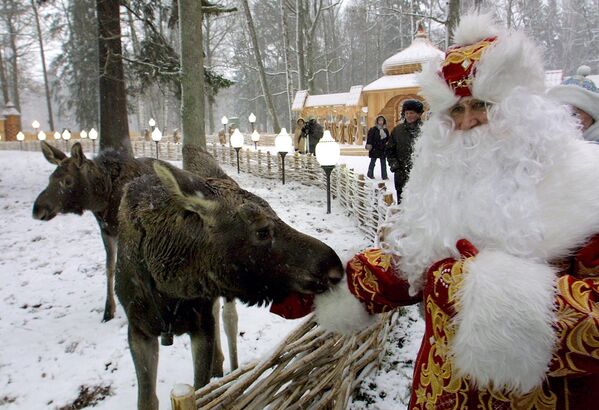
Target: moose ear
196, 203
52, 154
77, 154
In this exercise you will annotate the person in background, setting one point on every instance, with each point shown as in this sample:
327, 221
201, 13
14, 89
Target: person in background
299, 137
375, 144
497, 234
314, 131
582, 95
401, 144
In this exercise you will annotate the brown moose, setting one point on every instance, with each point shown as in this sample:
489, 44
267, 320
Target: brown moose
186, 240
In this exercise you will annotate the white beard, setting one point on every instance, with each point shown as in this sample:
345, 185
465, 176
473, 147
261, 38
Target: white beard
485, 185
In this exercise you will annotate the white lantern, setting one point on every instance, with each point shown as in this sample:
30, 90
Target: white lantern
252, 118
255, 136
41, 136
57, 135
83, 134
283, 142
152, 122
224, 120
93, 134
20, 136
237, 139
35, 124
156, 135
66, 135
328, 150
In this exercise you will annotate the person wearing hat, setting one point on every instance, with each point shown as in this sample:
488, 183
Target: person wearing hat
582, 95
314, 131
299, 137
376, 139
497, 235
401, 144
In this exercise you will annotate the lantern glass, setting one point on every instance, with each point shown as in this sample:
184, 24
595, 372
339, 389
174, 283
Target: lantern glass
41, 136
328, 150
283, 142
152, 122
83, 134
35, 124
224, 120
93, 134
20, 136
252, 118
66, 135
237, 139
156, 135
57, 135
255, 136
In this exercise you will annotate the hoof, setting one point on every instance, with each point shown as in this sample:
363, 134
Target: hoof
217, 373
107, 316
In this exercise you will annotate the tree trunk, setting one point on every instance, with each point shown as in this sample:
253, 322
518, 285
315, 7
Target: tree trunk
453, 19
114, 127
209, 98
288, 79
299, 39
3, 80
509, 14
46, 86
14, 65
263, 83
135, 46
192, 80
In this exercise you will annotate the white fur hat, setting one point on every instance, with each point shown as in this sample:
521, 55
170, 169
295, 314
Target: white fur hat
505, 60
577, 91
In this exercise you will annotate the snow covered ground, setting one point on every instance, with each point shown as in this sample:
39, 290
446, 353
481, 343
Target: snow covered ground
52, 289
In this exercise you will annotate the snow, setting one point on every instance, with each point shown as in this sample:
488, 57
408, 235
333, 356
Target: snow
420, 51
392, 82
52, 290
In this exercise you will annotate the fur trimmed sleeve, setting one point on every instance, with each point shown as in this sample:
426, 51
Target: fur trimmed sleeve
504, 321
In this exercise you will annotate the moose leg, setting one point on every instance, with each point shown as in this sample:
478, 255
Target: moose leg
218, 358
230, 321
110, 247
203, 346
144, 350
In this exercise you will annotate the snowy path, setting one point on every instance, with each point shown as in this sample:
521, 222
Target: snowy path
52, 289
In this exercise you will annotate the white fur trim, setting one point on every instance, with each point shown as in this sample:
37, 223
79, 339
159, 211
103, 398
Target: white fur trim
504, 322
338, 310
473, 28
569, 201
512, 61
576, 96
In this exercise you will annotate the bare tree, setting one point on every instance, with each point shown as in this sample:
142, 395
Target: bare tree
43, 58
262, 74
288, 78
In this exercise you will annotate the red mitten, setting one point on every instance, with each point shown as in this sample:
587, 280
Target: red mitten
466, 249
294, 306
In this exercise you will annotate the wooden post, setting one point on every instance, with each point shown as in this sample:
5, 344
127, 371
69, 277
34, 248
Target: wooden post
268, 165
388, 198
248, 157
259, 154
183, 397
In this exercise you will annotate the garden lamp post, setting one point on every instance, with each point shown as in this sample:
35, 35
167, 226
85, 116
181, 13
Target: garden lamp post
36, 126
66, 136
255, 139
252, 120
41, 136
20, 138
93, 135
224, 121
152, 123
57, 136
156, 136
283, 145
327, 155
237, 143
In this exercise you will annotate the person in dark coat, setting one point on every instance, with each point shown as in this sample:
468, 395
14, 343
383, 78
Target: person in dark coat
375, 144
313, 130
401, 144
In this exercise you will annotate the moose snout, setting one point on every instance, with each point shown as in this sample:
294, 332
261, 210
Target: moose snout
335, 275
43, 213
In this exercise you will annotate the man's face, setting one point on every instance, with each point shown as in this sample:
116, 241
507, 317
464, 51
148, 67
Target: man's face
469, 113
411, 116
300, 123
585, 119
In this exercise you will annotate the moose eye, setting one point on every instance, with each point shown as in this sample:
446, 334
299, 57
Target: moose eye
68, 182
263, 234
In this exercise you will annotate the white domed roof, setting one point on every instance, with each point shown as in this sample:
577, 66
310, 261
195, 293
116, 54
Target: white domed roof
410, 59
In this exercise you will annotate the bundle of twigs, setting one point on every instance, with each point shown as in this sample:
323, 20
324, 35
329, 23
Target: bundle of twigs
309, 369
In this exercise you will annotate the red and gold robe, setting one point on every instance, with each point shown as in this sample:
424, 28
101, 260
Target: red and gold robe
572, 374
